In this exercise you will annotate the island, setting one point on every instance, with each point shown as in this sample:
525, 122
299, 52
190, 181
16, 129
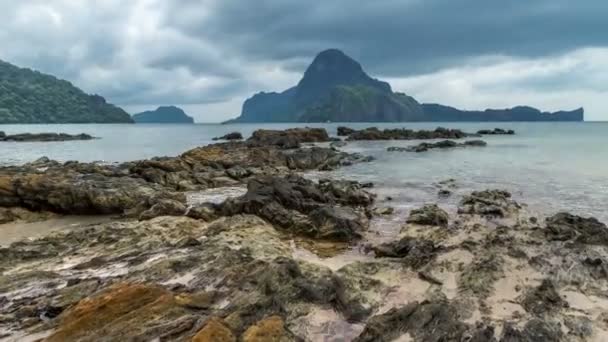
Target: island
335, 88
163, 114
28, 97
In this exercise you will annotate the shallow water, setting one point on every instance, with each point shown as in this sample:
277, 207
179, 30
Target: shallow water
551, 166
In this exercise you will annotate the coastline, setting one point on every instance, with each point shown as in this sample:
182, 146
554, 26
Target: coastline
221, 268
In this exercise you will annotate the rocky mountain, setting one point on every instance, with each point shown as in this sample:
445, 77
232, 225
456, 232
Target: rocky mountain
336, 88
163, 114
28, 96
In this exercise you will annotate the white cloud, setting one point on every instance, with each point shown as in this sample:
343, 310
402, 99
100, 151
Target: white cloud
209, 55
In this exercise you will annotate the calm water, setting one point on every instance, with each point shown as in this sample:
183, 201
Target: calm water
550, 166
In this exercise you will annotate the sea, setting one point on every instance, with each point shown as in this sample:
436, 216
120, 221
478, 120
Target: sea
550, 166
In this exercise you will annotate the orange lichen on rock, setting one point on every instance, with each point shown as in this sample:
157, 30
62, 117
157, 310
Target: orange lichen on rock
214, 331
271, 329
118, 312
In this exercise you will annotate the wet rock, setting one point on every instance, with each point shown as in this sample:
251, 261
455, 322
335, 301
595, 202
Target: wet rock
412, 252
496, 131
543, 299
383, 211
164, 208
579, 327
568, 227
345, 131
20, 214
497, 203
44, 137
329, 210
230, 136
268, 329
423, 147
374, 133
289, 138
215, 330
444, 193
338, 144
429, 215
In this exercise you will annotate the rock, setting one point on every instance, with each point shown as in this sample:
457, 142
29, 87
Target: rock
215, 330
568, 227
534, 330
415, 319
20, 214
543, 299
444, 193
45, 137
289, 138
413, 252
230, 136
374, 133
383, 211
338, 144
496, 131
345, 131
206, 212
423, 147
332, 210
118, 313
165, 207
488, 203
429, 215
270, 329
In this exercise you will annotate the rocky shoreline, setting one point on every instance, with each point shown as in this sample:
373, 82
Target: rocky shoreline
256, 267
44, 137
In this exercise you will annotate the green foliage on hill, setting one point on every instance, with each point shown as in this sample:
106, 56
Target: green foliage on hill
28, 96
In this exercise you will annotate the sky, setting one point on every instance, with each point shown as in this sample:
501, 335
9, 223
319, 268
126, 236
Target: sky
208, 56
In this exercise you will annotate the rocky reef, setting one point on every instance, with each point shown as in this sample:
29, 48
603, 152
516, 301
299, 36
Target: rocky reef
44, 137
496, 131
291, 259
444, 144
373, 133
230, 136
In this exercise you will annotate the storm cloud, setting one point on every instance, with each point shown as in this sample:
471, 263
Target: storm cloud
210, 55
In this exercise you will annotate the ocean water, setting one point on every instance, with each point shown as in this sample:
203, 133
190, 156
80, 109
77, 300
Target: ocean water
550, 166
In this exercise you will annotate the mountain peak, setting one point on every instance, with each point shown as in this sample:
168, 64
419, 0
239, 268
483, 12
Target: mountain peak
329, 69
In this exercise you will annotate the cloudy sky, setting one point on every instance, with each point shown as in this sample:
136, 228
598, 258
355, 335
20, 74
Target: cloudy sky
208, 56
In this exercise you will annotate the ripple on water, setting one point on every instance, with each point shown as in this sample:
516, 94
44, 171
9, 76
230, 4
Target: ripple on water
215, 195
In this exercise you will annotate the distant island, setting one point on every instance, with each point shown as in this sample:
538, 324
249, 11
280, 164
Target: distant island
28, 96
163, 114
336, 88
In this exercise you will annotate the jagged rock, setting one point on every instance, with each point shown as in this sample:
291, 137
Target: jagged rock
165, 207
230, 136
45, 137
345, 131
374, 133
383, 211
444, 193
413, 252
568, 227
20, 214
543, 299
206, 212
289, 138
496, 131
429, 215
328, 210
488, 203
423, 147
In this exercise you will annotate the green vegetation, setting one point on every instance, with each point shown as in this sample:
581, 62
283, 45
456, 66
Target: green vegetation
28, 96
